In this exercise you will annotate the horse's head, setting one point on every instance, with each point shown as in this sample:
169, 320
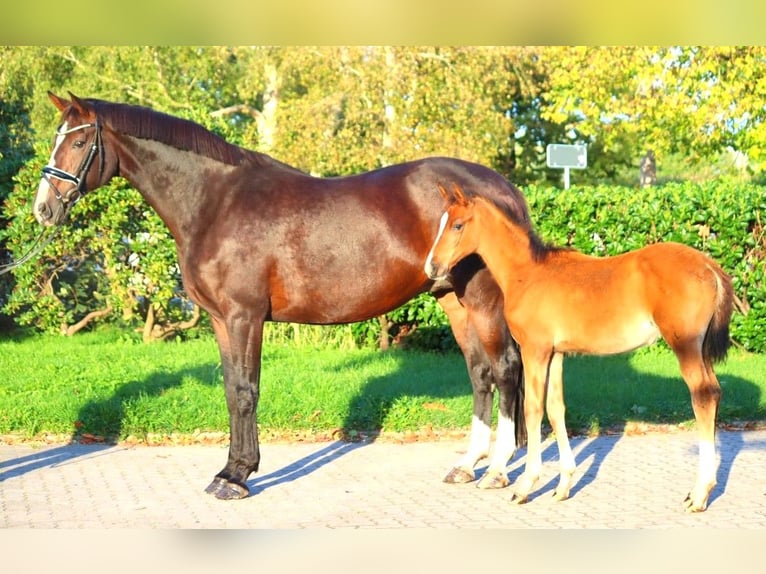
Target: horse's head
71, 170
455, 238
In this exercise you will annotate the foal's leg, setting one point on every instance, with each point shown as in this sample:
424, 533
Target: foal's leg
239, 342
556, 414
706, 395
536, 363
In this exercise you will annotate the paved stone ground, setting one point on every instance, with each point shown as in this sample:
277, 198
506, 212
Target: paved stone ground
623, 482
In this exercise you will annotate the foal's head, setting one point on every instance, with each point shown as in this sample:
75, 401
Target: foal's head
457, 236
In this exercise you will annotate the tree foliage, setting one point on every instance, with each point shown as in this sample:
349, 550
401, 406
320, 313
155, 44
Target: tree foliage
694, 102
336, 110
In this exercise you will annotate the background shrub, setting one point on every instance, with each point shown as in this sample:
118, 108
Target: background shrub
723, 218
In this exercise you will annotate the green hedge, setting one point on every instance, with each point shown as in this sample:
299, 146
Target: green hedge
724, 219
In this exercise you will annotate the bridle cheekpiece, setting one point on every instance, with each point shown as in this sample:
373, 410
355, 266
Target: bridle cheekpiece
77, 179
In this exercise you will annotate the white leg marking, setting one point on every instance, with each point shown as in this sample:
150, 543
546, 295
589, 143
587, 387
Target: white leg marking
478, 447
505, 445
707, 462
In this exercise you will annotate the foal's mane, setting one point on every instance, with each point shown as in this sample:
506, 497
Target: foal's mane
146, 123
539, 249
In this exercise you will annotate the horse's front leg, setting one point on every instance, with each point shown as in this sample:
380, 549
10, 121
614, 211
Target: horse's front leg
240, 358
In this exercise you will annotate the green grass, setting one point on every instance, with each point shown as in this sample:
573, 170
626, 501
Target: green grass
109, 385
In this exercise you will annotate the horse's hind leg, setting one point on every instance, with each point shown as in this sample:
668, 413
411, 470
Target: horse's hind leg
556, 415
506, 372
705, 395
479, 372
484, 303
492, 360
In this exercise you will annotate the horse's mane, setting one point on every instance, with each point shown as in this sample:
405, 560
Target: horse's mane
146, 123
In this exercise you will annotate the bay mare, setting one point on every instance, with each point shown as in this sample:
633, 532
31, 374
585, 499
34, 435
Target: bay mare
258, 240
561, 301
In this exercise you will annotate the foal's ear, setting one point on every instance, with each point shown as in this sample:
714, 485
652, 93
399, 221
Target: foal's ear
445, 194
460, 197
60, 103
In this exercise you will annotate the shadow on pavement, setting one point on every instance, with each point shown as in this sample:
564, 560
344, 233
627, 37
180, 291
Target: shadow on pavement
302, 467
730, 445
626, 391
48, 458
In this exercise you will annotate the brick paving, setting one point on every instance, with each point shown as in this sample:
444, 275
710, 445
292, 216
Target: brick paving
622, 482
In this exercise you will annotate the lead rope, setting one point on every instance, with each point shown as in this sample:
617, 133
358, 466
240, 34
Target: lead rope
37, 246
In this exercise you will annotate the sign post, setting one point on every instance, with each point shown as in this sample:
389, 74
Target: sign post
567, 157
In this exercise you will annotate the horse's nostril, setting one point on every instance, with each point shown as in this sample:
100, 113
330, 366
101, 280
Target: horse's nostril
43, 211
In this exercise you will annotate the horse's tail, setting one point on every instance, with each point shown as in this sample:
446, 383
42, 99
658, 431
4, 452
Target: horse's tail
717, 341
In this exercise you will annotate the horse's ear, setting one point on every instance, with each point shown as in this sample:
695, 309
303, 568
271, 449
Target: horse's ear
79, 105
60, 103
459, 195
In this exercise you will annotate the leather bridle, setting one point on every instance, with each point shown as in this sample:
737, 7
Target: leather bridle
78, 178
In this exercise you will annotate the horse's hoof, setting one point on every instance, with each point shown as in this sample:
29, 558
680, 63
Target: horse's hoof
459, 476
691, 506
563, 487
559, 496
493, 480
225, 490
519, 498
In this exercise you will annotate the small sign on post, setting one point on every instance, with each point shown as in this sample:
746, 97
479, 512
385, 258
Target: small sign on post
566, 157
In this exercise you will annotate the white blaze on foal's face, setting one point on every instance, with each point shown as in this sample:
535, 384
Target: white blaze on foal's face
442, 227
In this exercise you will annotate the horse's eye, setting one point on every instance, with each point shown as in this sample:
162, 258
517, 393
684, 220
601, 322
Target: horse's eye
457, 226
78, 143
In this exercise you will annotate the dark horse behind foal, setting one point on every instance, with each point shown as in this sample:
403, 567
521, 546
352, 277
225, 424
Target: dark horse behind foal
258, 241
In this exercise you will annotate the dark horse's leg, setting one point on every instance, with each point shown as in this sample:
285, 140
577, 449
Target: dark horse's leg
475, 311
239, 342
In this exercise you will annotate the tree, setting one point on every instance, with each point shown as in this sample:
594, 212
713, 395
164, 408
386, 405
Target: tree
15, 144
691, 101
346, 109
116, 255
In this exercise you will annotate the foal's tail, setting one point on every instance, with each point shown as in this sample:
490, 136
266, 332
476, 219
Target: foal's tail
716, 343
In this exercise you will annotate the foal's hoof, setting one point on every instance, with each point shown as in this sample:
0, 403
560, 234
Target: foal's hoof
493, 480
519, 498
459, 476
222, 489
558, 496
564, 486
694, 506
